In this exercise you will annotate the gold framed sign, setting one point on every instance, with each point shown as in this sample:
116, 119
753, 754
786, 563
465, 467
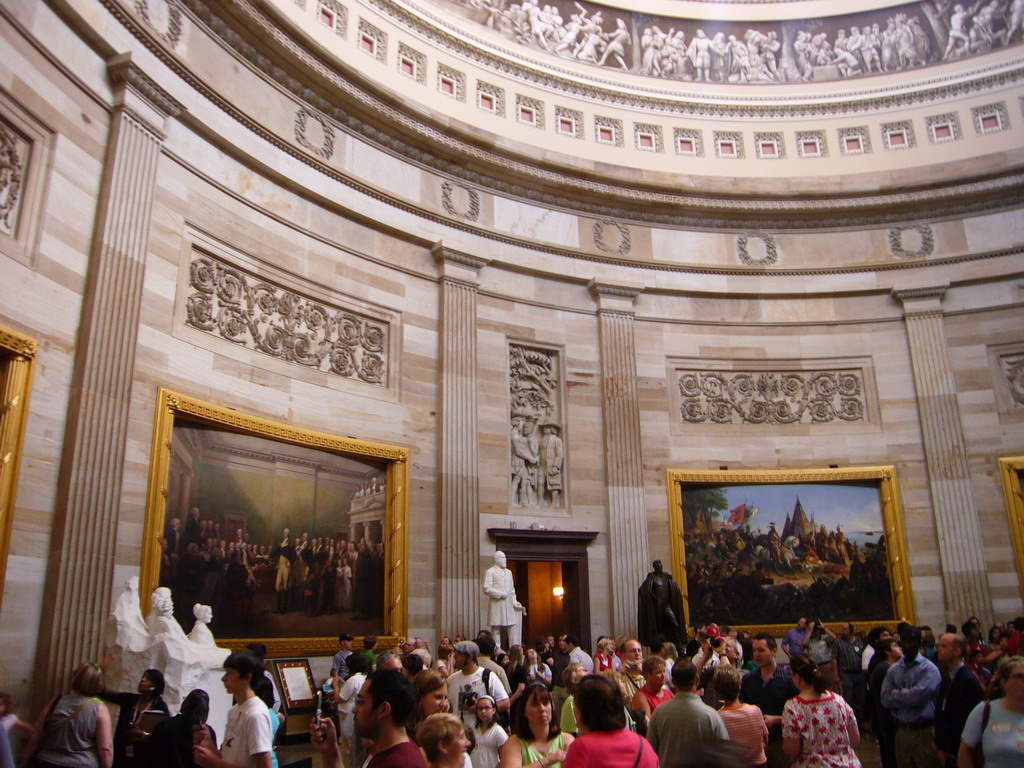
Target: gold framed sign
1011, 471
291, 535
297, 685
761, 549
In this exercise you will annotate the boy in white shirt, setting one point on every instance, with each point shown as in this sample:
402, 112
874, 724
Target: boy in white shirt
247, 739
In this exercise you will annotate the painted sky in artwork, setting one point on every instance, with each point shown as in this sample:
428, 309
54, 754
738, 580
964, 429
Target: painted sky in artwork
855, 506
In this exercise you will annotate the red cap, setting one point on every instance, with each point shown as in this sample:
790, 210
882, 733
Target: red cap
713, 630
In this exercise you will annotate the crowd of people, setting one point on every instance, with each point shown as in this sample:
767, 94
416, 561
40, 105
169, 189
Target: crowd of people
242, 580
725, 699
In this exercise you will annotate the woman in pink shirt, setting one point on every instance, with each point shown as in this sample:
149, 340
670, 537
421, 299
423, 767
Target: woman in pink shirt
604, 739
745, 722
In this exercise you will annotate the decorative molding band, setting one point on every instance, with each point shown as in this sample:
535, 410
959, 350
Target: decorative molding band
771, 397
124, 72
691, 211
232, 305
927, 242
443, 254
912, 294
608, 289
18, 344
424, 23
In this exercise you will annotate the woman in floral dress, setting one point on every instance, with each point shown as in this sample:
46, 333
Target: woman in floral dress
819, 728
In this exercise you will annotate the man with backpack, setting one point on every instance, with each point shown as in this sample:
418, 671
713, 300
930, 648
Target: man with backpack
471, 681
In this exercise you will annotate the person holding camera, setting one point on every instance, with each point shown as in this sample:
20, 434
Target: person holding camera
471, 681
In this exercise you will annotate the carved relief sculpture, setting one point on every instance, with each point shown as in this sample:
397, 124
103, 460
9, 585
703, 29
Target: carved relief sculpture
228, 303
762, 397
11, 173
537, 450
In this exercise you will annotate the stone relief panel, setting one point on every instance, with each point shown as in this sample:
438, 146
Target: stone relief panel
771, 397
902, 246
537, 429
26, 151
164, 16
13, 167
1006, 363
231, 304
307, 124
895, 38
764, 254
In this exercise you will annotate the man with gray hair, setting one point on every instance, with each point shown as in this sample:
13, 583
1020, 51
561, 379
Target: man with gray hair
472, 681
959, 693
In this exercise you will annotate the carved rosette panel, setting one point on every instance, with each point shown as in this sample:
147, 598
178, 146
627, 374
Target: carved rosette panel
537, 450
762, 397
233, 305
13, 154
1013, 370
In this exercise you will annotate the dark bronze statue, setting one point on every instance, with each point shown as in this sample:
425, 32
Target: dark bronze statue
660, 609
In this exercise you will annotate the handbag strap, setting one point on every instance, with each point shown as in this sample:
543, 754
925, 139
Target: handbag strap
73, 715
639, 752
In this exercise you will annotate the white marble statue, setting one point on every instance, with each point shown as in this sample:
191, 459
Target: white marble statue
505, 612
158, 641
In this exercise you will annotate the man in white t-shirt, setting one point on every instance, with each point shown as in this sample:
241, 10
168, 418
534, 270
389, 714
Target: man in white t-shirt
247, 741
470, 682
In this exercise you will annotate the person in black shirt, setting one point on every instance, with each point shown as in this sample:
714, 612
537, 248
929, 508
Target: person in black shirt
769, 687
170, 744
127, 737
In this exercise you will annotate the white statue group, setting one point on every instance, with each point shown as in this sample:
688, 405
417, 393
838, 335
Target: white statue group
159, 642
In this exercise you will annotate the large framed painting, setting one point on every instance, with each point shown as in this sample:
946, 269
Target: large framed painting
760, 549
291, 535
1011, 470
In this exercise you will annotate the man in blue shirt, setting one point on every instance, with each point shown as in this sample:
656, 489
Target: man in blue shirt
769, 687
909, 694
338, 666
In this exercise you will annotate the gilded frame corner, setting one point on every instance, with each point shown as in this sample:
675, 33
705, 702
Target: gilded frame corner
17, 363
1010, 469
889, 503
174, 405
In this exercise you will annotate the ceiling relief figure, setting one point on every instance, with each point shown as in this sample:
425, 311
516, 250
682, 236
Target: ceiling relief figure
894, 39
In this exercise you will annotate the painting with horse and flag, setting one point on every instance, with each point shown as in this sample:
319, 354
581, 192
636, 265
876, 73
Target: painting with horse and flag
765, 548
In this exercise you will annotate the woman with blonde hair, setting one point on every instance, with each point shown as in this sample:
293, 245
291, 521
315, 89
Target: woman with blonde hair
605, 657
993, 728
442, 737
744, 722
74, 731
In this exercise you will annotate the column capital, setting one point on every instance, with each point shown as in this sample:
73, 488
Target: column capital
139, 94
457, 265
920, 301
614, 297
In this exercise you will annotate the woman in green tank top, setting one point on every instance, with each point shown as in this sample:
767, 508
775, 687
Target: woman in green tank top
537, 741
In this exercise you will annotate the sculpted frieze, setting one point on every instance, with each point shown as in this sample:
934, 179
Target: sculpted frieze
233, 305
12, 171
882, 41
771, 397
537, 449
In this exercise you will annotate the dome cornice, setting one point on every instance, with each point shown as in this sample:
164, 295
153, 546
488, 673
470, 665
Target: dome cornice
359, 106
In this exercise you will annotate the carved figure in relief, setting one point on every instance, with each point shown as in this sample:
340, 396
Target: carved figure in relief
699, 54
552, 457
959, 43
524, 463
10, 177
616, 46
1016, 20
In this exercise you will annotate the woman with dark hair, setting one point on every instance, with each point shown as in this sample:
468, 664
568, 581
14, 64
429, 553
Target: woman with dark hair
537, 741
128, 737
170, 744
819, 728
604, 738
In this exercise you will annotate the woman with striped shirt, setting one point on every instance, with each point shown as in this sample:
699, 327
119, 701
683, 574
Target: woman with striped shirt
744, 722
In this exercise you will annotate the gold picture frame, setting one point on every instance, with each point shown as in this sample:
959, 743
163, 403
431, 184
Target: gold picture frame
185, 412
17, 361
1010, 471
725, 487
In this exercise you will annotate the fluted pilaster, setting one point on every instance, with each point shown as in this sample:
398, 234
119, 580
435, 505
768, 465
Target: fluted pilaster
623, 451
81, 566
459, 444
964, 573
